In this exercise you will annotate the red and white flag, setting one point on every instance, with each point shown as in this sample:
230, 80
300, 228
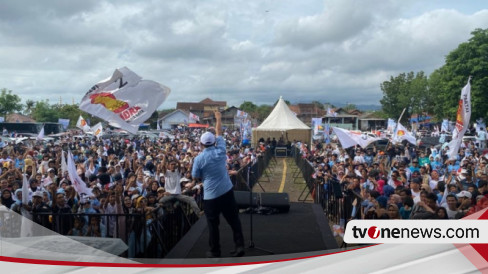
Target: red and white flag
82, 124
78, 184
350, 138
401, 134
193, 117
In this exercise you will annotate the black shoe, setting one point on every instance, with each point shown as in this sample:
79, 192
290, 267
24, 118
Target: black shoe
238, 252
211, 254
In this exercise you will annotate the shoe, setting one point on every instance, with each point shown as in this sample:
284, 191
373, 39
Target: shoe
238, 252
211, 254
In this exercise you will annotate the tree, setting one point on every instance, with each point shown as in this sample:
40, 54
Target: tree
263, 111
43, 112
468, 59
9, 102
29, 104
407, 91
248, 107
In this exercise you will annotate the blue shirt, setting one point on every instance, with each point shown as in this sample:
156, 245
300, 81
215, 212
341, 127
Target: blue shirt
210, 165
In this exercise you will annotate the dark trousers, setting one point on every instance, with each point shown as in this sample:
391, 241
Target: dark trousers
225, 204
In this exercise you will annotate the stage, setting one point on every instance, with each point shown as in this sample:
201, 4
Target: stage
303, 229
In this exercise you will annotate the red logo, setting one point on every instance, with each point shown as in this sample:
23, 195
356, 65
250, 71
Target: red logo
110, 102
373, 232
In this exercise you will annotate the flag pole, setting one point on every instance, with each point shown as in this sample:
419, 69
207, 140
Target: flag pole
395, 129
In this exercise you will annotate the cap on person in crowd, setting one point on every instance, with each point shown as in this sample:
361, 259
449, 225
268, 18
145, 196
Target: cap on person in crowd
207, 138
161, 189
50, 170
37, 194
464, 193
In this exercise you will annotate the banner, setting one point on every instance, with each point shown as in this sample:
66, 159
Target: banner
193, 118
97, 130
64, 122
241, 114
480, 124
78, 184
64, 165
331, 112
82, 124
124, 100
445, 125
350, 138
316, 124
401, 134
327, 133
462, 121
246, 129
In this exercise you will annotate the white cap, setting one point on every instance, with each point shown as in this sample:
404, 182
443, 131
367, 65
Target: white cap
207, 138
464, 193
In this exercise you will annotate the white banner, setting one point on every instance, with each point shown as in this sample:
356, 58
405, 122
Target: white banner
351, 138
193, 117
391, 125
40, 136
462, 121
401, 133
124, 99
82, 124
445, 125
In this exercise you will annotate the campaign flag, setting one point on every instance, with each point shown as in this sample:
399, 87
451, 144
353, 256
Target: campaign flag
445, 125
462, 120
391, 125
40, 136
401, 134
26, 225
78, 184
158, 127
124, 99
25, 190
241, 114
316, 123
350, 138
64, 122
82, 124
97, 130
193, 117
331, 112
246, 128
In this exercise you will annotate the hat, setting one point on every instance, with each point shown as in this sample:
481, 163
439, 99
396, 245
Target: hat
161, 189
207, 138
50, 170
37, 194
184, 179
135, 196
148, 158
464, 193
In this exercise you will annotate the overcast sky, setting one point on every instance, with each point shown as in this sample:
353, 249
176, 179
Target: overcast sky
334, 51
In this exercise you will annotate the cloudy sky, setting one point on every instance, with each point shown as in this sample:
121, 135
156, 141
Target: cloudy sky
334, 51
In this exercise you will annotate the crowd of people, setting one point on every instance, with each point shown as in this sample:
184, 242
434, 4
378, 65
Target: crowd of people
405, 181
125, 174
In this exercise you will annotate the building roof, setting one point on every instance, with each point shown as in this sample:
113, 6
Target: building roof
19, 118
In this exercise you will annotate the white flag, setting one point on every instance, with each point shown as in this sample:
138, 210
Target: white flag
462, 121
241, 114
401, 133
78, 184
331, 112
97, 130
351, 138
193, 117
157, 125
391, 125
124, 99
40, 136
445, 125
82, 124
64, 165
26, 225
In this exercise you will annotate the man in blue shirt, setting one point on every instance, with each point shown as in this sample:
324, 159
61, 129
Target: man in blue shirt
218, 196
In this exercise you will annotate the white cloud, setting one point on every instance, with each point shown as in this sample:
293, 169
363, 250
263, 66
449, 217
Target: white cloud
331, 51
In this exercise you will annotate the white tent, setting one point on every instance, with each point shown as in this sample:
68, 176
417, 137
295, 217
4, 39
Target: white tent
282, 123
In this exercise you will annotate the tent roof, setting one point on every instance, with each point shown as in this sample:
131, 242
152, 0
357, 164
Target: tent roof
281, 118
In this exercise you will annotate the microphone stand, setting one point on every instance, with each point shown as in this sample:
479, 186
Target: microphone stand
251, 241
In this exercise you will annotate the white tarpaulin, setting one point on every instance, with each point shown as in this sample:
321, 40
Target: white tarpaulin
124, 100
351, 138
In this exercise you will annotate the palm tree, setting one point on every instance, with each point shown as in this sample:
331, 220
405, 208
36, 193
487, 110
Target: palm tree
29, 105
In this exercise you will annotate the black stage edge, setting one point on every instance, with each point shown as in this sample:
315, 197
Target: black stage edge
304, 228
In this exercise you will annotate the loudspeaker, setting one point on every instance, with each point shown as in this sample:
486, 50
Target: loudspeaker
279, 201
242, 199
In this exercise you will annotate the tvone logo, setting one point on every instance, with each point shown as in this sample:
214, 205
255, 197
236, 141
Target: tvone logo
373, 232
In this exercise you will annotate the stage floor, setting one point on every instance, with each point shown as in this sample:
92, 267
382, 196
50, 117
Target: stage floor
303, 229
